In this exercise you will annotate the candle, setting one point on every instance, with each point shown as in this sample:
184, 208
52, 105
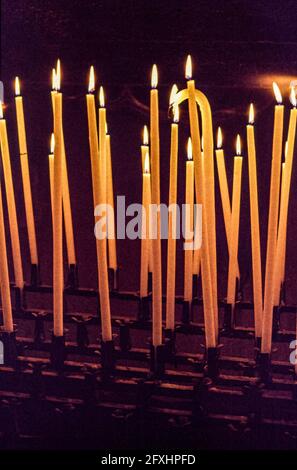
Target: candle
57, 219
51, 170
112, 248
234, 226
146, 183
172, 216
12, 214
103, 286
255, 231
156, 242
25, 173
285, 193
189, 225
4, 276
272, 222
144, 150
223, 183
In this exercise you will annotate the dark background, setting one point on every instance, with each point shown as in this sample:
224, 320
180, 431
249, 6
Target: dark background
238, 49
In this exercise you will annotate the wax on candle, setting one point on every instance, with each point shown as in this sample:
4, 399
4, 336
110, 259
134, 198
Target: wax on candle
255, 230
51, 170
146, 183
112, 248
234, 227
12, 213
156, 242
4, 276
272, 222
172, 218
189, 225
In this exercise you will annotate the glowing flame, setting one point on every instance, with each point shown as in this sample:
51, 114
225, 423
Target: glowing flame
54, 79
101, 98
58, 75
176, 113
145, 137
293, 97
173, 93
91, 88
277, 93
189, 149
251, 114
219, 138
154, 79
17, 86
1, 110
286, 148
238, 145
52, 146
189, 68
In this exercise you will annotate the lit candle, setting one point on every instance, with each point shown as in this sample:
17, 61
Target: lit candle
272, 222
189, 225
51, 170
146, 185
255, 231
156, 242
4, 277
234, 227
103, 286
25, 173
112, 248
172, 216
12, 214
102, 142
144, 150
57, 218
285, 193
223, 183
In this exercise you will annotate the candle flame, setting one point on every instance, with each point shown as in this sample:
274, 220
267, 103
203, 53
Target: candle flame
189, 149
251, 114
154, 79
1, 110
145, 137
277, 93
219, 138
101, 98
52, 146
293, 97
54, 79
58, 76
176, 113
147, 163
17, 86
238, 145
189, 68
173, 93
91, 80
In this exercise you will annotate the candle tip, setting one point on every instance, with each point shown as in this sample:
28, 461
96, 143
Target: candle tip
145, 137
17, 86
147, 162
277, 93
219, 138
251, 114
91, 88
189, 68
238, 145
101, 97
189, 149
293, 97
154, 78
52, 145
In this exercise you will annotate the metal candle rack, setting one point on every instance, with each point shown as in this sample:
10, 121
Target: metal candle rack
223, 389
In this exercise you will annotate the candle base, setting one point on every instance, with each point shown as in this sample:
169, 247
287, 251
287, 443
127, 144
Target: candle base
212, 358
144, 313
107, 357
125, 339
35, 275
82, 336
58, 352
10, 353
113, 279
276, 322
72, 279
264, 364
158, 355
187, 312
39, 333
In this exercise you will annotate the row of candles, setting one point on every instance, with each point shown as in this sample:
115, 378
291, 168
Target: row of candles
199, 188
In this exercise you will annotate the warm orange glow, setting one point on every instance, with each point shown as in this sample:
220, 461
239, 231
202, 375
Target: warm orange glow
154, 79
54, 79
189, 68
189, 149
251, 114
145, 137
173, 93
17, 86
101, 98
238, 145
52, 146
277, 93
147, 163
293, 97
219, 138
1, 110
91, 88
